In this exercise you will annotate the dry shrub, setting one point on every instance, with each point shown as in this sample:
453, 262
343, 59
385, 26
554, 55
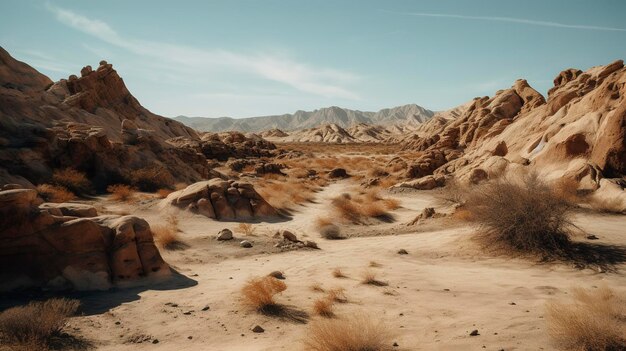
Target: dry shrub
375, 264
369, 277
258, 293
354, 333
36, 323
317, 287
323, 307
377, 172
323, 221
357, 207
338, 295
151, 179
121, 192
338, 273
331, 232
166, 235
246, 228
454, 193
285, 195
73, 180
567, 189
163, 193
54, 193
391, 204
523, 216
594, 321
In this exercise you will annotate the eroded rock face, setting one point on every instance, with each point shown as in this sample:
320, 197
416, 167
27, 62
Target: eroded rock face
67, 246
222, 200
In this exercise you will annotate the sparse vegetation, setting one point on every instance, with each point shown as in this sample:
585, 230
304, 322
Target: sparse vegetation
286, 194
246, 228
338, 273
34, 325
258, 293
323, 307
121, 192
523, 216
369, 277
55, 193
354, 333
358, 207
375, 264
166, 236
331, 232
163, 193
73, 180
317, 287
338, 295
594, 321
150, 179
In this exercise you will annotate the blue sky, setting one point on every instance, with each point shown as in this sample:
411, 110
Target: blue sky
249, 58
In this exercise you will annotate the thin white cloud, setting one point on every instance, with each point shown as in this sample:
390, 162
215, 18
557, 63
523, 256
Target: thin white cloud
313, 80
513, 20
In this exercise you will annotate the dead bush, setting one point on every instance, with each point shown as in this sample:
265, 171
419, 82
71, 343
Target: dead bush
323, 307
258, 293
36, 323
593, 321
338, 273
73, 180
369, 277
338, 295
331, 232
166, 236
151, 179
55, 193
121, 192
354, 333
523, 216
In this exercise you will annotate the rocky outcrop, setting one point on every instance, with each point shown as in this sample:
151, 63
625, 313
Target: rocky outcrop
67, 246
222, 200
579, 133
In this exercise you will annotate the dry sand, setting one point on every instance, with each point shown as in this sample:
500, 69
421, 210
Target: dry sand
437, 294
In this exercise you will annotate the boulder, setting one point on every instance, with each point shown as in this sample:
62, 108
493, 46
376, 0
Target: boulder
224, 234
338, 173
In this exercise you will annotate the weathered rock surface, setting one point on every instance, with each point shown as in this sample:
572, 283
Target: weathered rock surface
67, 246
222, 200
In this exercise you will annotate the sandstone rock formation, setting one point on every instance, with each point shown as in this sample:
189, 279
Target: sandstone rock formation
577, 133
93, 124
67, 246
222, 200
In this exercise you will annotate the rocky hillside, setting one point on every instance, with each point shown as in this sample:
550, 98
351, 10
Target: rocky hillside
577, 134
333, 133
412, 115
94, 125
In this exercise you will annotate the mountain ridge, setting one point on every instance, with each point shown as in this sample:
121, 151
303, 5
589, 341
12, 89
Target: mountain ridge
411, 114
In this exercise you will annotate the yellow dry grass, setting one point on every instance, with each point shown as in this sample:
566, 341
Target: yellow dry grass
353, 333
258, 293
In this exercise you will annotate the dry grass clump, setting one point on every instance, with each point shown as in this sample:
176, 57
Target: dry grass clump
523, 216
463, 214
338, 273
330, 232
357, 207
286, 194
163, 193
567, 189
246, 228
33, 325
166, 235
594, 321
150, 179
258, 293
73, 180
369, 277
375, 264
354, 333
337, 295
121, 192
317, 287
324, 307
55, 193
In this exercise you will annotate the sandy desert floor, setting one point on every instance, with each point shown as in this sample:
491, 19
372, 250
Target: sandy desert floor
436, 295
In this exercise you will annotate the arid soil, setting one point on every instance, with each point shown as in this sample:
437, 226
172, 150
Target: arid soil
434, 297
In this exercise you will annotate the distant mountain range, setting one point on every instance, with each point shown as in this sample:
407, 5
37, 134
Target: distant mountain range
411, 115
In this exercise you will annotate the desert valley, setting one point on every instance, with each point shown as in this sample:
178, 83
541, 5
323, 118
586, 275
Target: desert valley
498, 224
